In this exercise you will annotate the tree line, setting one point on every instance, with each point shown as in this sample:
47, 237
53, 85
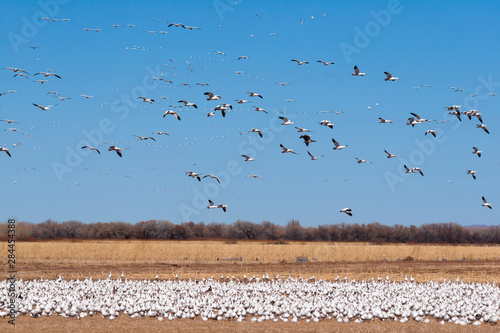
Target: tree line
449, 233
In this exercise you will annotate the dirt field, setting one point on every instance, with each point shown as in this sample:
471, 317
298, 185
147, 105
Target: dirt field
125, 324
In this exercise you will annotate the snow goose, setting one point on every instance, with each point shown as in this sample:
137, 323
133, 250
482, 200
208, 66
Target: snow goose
283, 83
224, 207
346, 210
118, 150
357, 73
211, 96
286, 121
384, 121
259, 109
486, 203
242, 101
41, 81
186, 103
433, 132
307, 139
476, 113
212, 176
314, 158
252, 94
248, 158
390, 77
194, 175
211, 205
242, 57
472, 172
300, 129
146, 100
47, 74
389, 155
175, 114
87, 96
145, 137
9, 121
327, 123
17, 70
286, 150
483, 126
44, 108
477, 151
21, 74
419, 119
5, 150
161, 133
254, 176
326, 63
177, 25
359, 160
417, 169
337, 145
92, 148
300, 62
255, 130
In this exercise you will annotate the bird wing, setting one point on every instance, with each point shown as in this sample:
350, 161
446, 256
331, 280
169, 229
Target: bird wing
416, 115
312, 156
388, 75
356, 70
335, 143
484, 200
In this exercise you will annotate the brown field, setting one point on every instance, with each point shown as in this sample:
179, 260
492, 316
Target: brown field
198, 259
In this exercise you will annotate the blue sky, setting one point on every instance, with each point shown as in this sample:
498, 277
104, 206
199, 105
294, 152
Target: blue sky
441, 44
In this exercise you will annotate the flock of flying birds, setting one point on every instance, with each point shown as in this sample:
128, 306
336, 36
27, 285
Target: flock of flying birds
414, 120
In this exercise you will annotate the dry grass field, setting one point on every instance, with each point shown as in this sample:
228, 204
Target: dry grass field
198, 259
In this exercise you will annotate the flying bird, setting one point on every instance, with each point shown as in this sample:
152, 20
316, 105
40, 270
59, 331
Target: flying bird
433, 132
326, 63
359, 160
314, 157
17, 70
248, 158
384, 121
194, 175
286, 150
175, 114
92, 148
300, 129
5, 150
255, 130
477, 151
390, 77
145, 137
252, 94
44, 108
46, 74
483, 126
254, 176
307, 139
389, 155
346, 210
9, 121
472, 172
147, 100
337, 145
486, 203
286, 121
118, 150
327, 123
211, 96
300, 62
259, 109
213, 177
357, 73
186, 103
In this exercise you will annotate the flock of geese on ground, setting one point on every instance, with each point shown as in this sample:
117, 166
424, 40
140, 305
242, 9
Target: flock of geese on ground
259, 299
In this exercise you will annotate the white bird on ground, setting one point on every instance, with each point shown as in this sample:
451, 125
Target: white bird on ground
327, 123
175, 114
433, 132
5, 150
44, 108
186, 103
194, 175
477, 151
146, 100
483, 126
390, 77
255, 130
346, 210
384, 121
248, 158
472, 172
212, 176
389, 155
92, 148
300, 62
252, 94
286, 121
299, 129
359, 160
337, 145
314, 158
286, 150
486, 203
145, 137
118, 150
357, 73
211, 96
259, 109
326, 63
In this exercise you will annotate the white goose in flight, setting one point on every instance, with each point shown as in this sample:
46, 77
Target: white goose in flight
44, 108
242, 101
254, 176
300, 62
357, 73
472, 172
390, 77
300, 129
118, 150
384, 121
286, 121
389, 155
415, 169
186, 103
483, 126
486, 203
47, 74
161, 133
259, 109
9, 121
146, 100
213, 177
314, 158
175, 114
307, 139
145, 137
194, 175
433, 132
5, 150
326, 63
286, 150
255, 130
337, 145
477, 151
211, 205
248, 158
346, 210
224, 207
359, 160
211, 96
252, 94
17, 70
419, 119
92, 148
327, 123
